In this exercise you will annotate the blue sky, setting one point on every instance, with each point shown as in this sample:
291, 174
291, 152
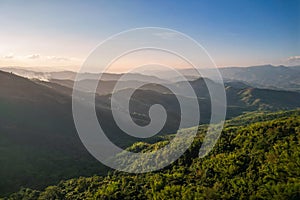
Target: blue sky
235, 33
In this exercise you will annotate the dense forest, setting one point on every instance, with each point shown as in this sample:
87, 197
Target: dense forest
256, 157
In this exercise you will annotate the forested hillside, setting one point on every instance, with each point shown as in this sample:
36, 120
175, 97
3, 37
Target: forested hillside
39, 143
257, 157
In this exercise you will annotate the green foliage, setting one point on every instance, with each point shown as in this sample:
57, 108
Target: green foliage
257, 160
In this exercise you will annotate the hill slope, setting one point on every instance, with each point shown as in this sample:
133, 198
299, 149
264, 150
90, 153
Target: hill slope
254, 161
38, 139
264, 76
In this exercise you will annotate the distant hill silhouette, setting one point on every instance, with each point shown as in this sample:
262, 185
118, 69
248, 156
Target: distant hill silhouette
264, 76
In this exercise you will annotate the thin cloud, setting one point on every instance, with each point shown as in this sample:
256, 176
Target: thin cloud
9, 56
57, 58
293, 60
33, 56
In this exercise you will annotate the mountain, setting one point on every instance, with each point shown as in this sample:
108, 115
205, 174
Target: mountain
240, 98
256, 159
70, 75
39, 143
264, 76
104, 87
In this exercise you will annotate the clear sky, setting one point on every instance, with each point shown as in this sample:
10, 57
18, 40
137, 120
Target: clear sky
61, 34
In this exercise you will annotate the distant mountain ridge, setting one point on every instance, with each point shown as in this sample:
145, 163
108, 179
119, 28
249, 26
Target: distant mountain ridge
266, 76
71, 75
263, 76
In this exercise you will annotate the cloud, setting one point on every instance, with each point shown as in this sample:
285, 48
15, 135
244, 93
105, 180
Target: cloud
57, 58
294, 60
33, 56
9, 56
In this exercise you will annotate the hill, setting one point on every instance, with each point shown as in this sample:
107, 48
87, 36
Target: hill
266, 76
257, 160
39, 143
263, 76
70, 75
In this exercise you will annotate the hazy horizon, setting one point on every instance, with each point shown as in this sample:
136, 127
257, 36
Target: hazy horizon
62, 69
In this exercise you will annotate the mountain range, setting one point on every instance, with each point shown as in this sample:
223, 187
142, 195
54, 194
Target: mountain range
263, 76
39, 142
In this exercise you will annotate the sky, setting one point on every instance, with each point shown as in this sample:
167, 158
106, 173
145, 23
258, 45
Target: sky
60, 34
